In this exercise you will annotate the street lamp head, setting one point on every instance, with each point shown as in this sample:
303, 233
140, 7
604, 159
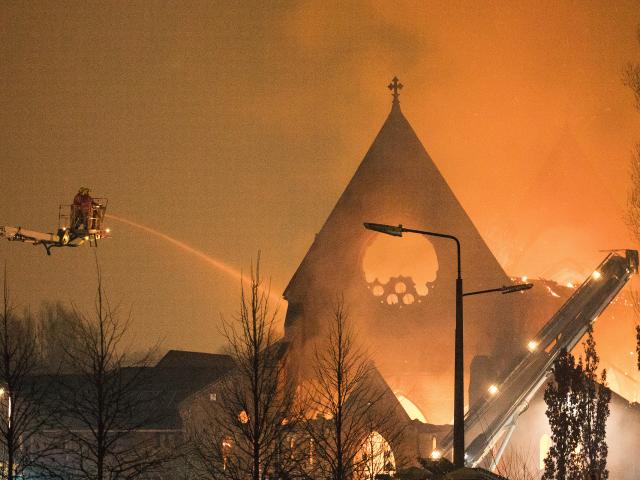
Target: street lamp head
516, 288
396, 231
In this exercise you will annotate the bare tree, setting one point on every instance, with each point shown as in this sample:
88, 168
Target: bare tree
632, 80
53, 323
247, 432
347, 397
104, 402
632, 77
22, 395
516, 464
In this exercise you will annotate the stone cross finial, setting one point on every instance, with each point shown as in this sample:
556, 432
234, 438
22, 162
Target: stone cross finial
395, 86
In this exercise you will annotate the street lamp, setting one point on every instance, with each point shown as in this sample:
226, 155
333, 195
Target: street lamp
458, 400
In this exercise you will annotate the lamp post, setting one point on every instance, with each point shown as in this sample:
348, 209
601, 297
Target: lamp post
458, 396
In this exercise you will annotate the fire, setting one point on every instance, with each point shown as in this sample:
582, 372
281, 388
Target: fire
412, 258
412, 410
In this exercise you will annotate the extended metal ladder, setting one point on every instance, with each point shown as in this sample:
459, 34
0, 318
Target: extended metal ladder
493, 418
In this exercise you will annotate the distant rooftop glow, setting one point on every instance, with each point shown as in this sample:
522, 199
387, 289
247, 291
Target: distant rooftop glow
412, 410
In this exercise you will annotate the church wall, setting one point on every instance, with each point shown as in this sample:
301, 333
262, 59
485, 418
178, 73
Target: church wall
411, 344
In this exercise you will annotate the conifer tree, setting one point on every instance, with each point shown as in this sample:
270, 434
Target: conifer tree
562, 412
593, 406
577, 409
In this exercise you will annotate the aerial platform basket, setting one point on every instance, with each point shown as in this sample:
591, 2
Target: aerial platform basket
76, 225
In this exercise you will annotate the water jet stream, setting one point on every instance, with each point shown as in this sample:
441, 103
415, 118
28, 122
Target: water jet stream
217, 264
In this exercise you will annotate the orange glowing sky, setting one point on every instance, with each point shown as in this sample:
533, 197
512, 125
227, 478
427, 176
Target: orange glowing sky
235, 126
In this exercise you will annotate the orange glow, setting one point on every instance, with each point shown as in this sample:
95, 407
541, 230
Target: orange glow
412, 410
376, 457
408, 299
243, 417
412, 257
217, 264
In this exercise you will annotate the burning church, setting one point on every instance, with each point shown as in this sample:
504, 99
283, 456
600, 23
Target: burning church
400, 295
401, 292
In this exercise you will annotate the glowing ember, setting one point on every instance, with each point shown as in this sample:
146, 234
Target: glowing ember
243, 417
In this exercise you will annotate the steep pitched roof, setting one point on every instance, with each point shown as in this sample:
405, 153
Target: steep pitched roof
396, 180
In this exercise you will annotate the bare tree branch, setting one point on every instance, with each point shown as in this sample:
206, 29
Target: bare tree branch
247, 431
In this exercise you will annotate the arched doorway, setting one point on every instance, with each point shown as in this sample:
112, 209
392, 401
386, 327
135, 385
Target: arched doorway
375, 458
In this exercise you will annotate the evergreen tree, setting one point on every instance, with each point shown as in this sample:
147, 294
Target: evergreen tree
577, 409
593, 406
562, 411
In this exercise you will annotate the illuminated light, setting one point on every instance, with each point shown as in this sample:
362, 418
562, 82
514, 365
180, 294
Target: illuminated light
378, 290
243, 417
108, 230
377, 455
525, 278
408, 299
1, 392
554, 294
436, 455
596, 275
570, 285
86, 238
493, 389
392, 299
532, 346
400, 287
545, 446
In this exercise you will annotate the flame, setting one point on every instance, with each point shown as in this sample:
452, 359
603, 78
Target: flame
413, 257
412, 410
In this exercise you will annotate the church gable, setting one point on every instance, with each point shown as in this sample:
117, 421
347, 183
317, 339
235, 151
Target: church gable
399, 290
